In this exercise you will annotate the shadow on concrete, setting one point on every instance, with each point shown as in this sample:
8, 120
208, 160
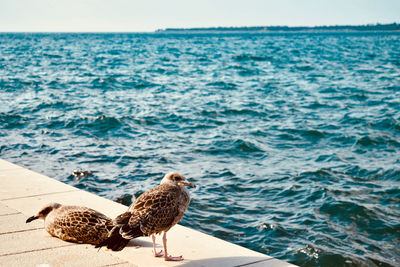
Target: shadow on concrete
232, 261
139, 243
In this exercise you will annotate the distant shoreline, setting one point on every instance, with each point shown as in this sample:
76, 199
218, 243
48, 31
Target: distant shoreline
280, 29
370, 28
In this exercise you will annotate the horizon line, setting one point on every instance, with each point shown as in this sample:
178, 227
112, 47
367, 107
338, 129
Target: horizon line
202, 27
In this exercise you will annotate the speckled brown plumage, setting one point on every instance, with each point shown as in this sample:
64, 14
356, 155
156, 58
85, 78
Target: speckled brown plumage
157, 210
74, 223
153, 212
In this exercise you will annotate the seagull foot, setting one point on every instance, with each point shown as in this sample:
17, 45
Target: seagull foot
158, 254
170, 258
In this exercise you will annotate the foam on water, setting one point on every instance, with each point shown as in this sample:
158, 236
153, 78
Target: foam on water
293, 139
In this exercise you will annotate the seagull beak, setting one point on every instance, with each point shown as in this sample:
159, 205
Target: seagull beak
187, 183
32, 218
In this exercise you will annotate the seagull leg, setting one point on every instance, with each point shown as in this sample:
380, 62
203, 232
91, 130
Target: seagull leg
166, 256
156, 254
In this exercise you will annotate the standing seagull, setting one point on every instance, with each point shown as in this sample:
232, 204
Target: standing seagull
155, 211
74, 224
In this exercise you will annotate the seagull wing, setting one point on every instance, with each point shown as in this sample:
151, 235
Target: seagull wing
156, 210
81, 224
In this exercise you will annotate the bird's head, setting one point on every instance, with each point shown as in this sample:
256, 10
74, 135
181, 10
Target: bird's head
44, 212
177, 179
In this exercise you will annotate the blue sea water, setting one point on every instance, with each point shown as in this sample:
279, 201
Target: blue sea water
293, 139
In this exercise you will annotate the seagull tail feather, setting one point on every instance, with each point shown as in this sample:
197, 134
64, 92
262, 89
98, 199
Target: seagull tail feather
115, 241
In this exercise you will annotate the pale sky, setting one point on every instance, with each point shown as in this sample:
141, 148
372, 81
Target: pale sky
149, 15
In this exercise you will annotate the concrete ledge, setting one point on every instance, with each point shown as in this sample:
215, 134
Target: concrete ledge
24, 192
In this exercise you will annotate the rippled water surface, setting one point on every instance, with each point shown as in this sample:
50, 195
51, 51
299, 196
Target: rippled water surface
292, 139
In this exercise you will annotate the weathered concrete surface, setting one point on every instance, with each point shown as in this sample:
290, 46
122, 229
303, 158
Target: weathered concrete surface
24, 192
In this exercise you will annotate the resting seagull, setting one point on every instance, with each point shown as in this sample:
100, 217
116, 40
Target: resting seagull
74, 224
153, 212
